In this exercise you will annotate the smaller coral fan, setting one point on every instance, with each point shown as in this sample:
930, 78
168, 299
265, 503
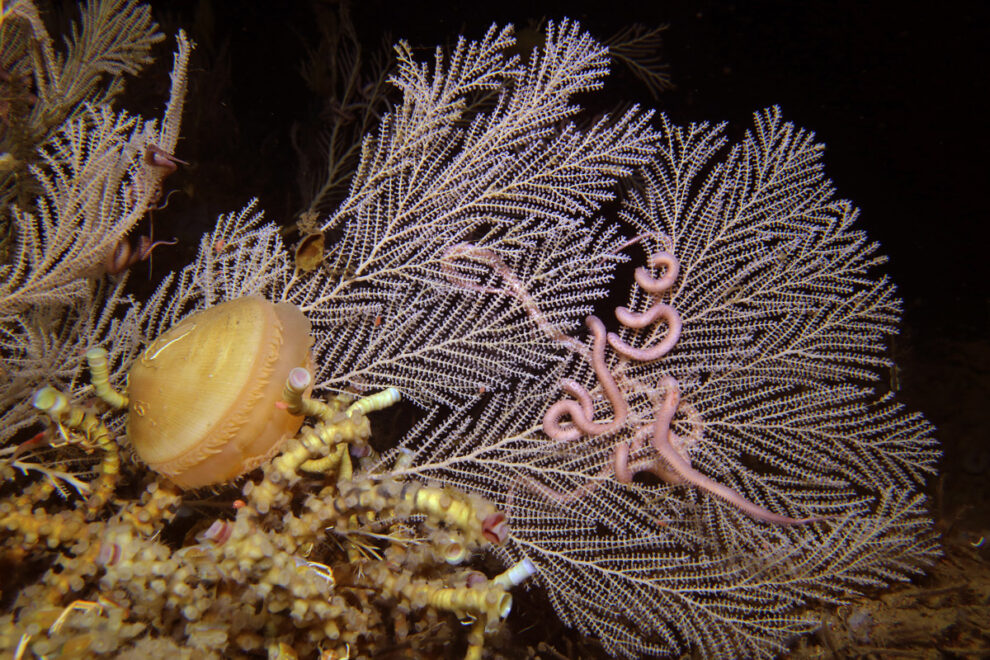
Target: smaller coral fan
203, 395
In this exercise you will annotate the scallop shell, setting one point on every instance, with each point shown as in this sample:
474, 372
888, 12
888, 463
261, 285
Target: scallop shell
204, 395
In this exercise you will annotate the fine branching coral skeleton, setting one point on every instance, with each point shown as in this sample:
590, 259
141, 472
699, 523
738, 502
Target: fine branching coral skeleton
689, 480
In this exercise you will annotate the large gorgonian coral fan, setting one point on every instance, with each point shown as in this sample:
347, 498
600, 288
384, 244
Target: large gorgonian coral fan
741, 388
467, 253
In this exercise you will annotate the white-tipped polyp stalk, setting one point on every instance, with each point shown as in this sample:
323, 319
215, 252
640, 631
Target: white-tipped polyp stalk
299, 379
51, 401
515, 574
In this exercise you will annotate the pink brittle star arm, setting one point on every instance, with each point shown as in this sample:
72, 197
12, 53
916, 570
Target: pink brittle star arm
657, 311
514, 287
624, 471
581, 411
661, 442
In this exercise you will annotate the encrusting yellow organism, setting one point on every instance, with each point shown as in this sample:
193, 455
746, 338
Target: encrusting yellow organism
194, 383
223, 391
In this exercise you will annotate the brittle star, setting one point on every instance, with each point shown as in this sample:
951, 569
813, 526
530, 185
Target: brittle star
581, 411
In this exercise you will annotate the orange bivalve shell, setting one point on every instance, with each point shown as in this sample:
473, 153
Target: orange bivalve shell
204, 395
